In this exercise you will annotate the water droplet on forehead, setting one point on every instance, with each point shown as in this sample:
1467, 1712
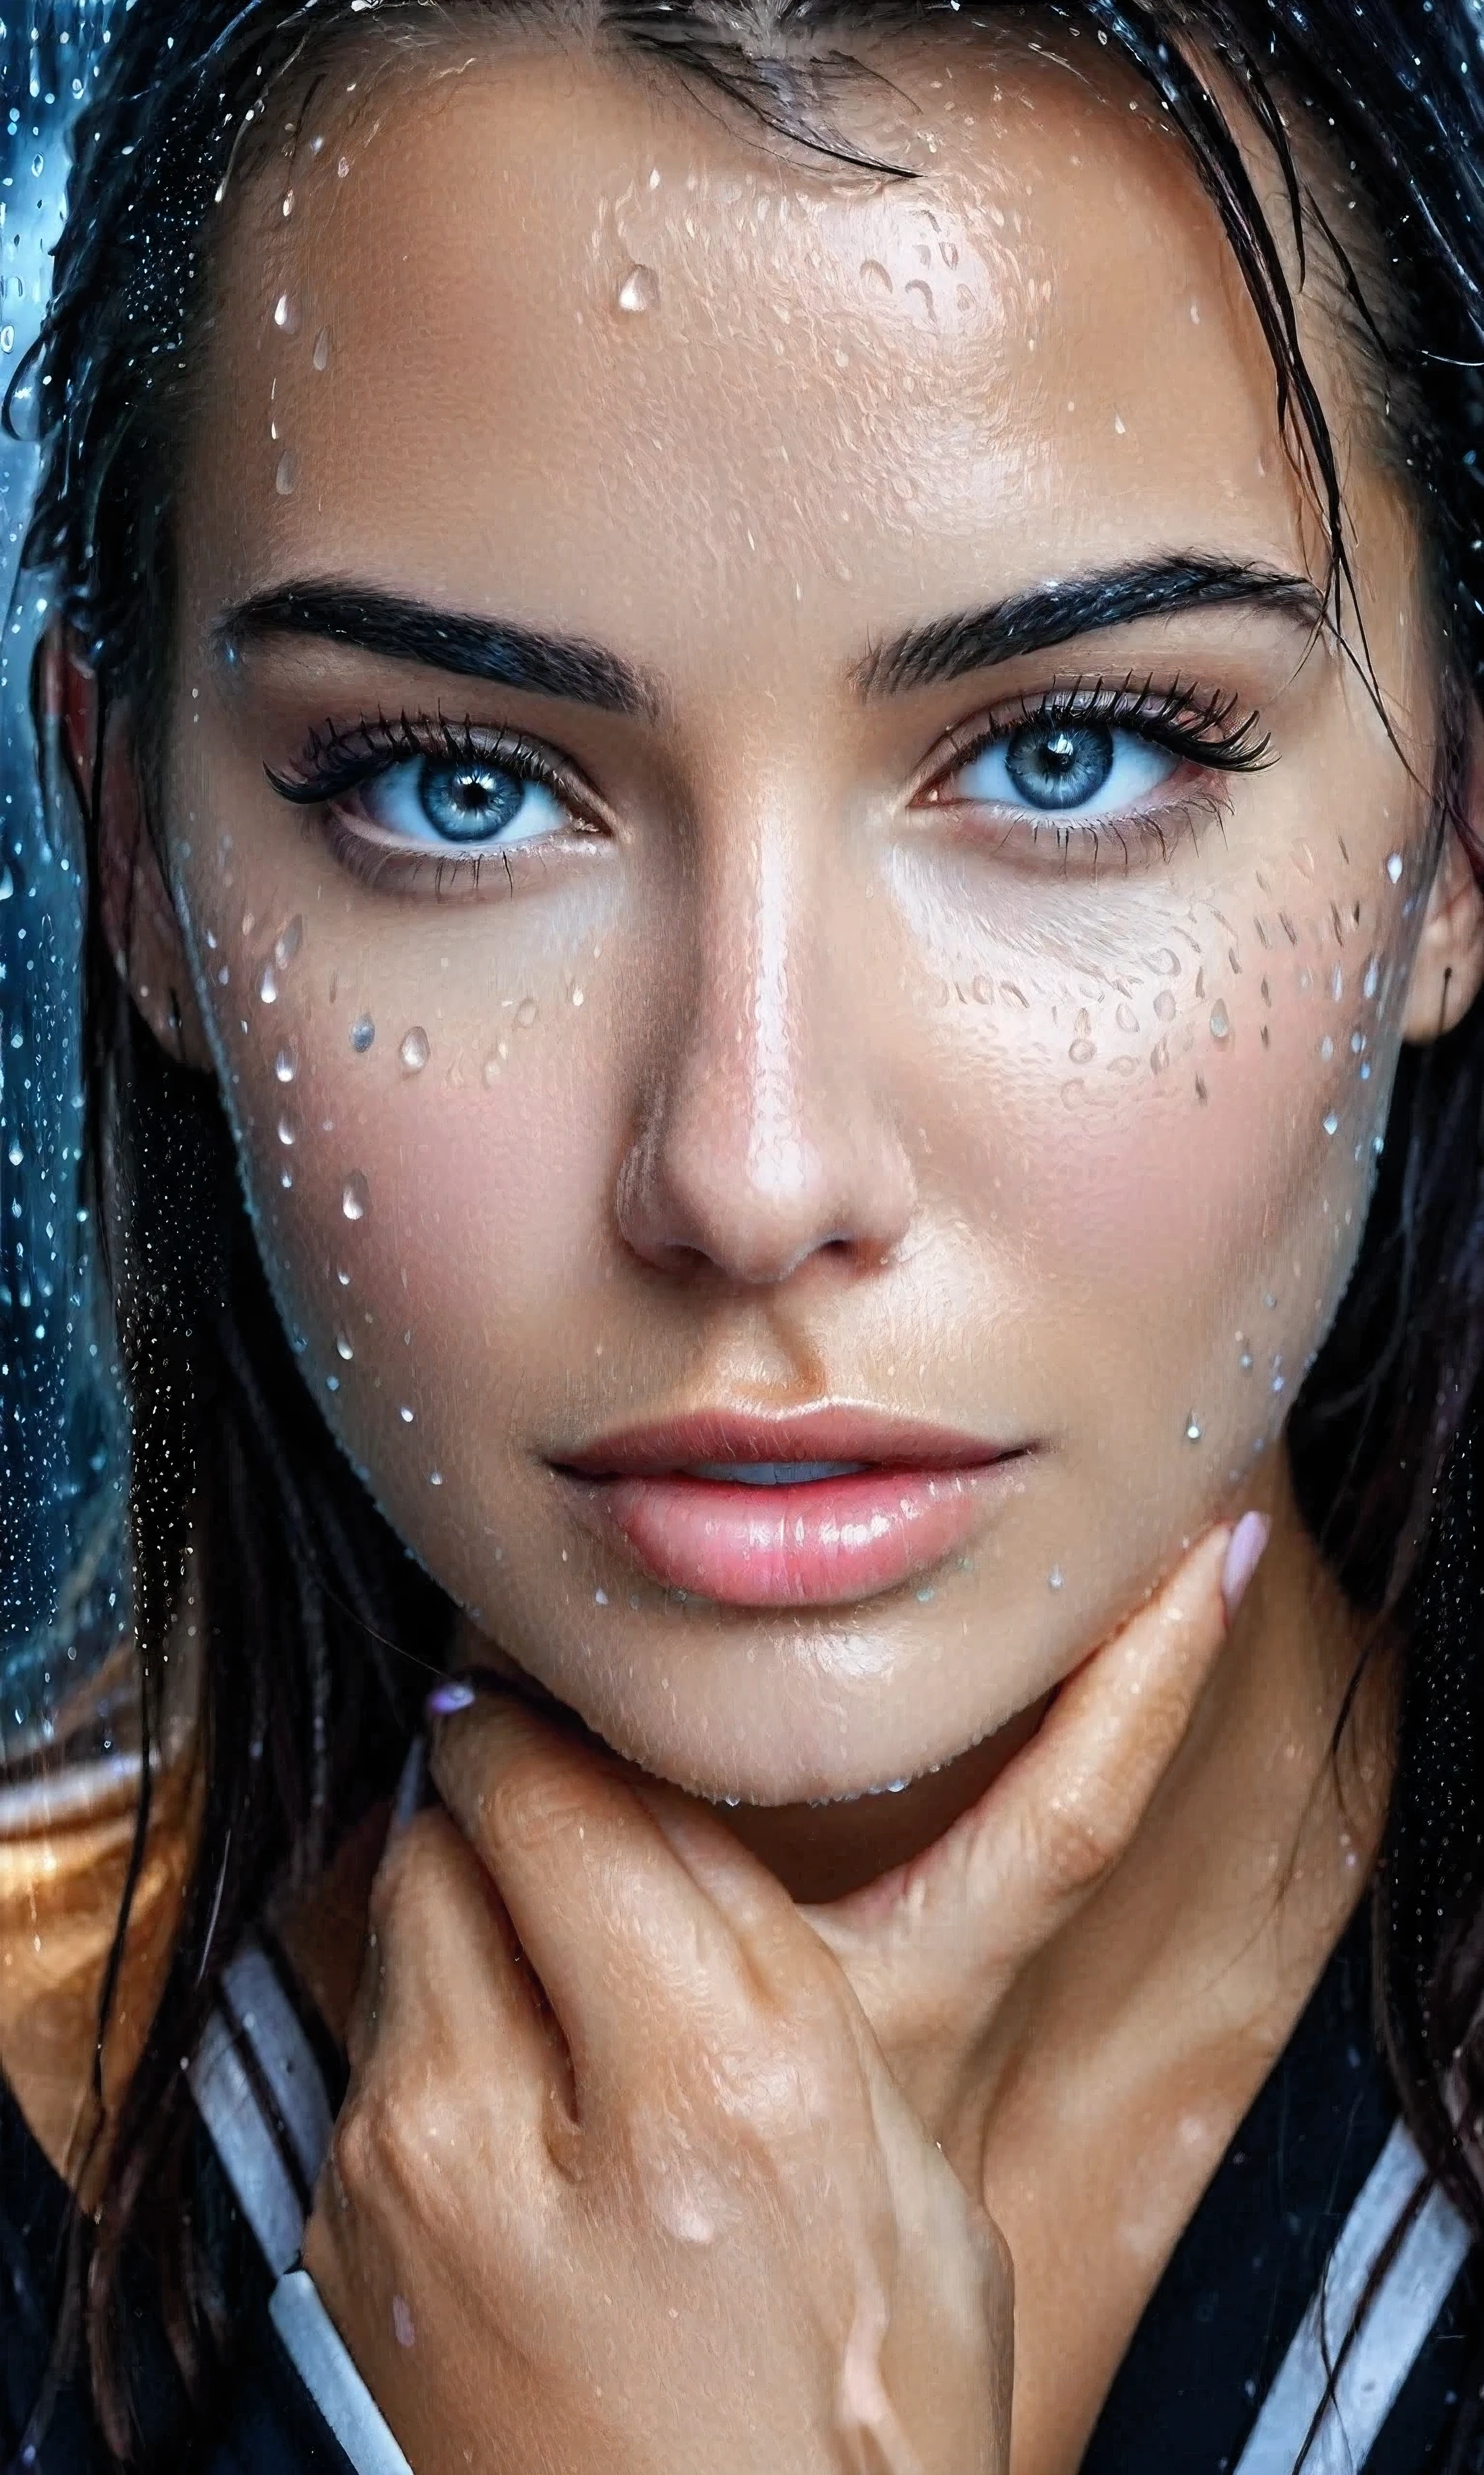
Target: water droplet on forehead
363, 1032
287, 474
355, 1197
1394, 868
639, 290
285, 313
414, 1050
283, 1066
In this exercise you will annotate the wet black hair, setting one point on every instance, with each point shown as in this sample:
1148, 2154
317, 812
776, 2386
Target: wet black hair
319, 1631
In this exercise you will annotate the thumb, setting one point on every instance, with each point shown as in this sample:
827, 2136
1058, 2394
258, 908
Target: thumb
932, 1949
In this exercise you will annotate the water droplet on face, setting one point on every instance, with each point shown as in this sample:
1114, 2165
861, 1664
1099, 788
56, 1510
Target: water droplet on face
1055, 1577
525, 1013
599, 1598
405, 1416
283, 1066
287, 943
285, 1131
639, 290
1192, 1429
356, 1197
1372, 979
320, 353
402, 2322
363, 1032
285, 315
267, 986
287, 474
288, 203
435, 1478
414, 1050
1330, 1123
1394, 868
1221, 1021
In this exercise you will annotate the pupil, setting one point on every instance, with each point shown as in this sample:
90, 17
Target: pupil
469, 803
1060, 764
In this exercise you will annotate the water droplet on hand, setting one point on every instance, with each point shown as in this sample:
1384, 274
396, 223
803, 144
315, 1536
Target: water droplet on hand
343, 1348
287, 943
363, 1032
283, 1066
285, 315
267, 986
414, 1050
320, 353
287, 474
356, 1197
405, 1416
1330, 1123
1055, 1577
1192, 1429
285, 1131
639, 290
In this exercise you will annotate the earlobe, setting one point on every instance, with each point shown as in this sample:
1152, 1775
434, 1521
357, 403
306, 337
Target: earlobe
1448, 970
138, 916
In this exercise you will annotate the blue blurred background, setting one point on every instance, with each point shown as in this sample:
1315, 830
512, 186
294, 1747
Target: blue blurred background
63, 1596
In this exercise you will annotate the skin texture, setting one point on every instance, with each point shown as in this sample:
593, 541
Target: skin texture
787, 1076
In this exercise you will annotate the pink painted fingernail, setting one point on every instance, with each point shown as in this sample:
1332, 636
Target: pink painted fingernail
455, 1693
1244, 1554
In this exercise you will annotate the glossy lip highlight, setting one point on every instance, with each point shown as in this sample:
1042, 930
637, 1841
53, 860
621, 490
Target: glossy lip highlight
919, 1492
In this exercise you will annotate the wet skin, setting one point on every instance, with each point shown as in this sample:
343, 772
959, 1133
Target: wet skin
805, 1061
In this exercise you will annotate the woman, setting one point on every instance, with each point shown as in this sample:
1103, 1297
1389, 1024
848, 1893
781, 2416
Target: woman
776, 714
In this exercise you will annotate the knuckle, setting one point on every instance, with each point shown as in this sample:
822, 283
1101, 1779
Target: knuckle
533, 1807
378, 2143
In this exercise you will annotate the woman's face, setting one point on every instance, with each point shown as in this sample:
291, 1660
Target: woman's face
841, 876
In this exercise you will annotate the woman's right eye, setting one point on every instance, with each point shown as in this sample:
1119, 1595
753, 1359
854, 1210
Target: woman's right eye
457, 803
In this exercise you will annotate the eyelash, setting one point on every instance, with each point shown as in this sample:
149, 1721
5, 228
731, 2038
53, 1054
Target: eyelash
1201, 729
336, 762
1209, 731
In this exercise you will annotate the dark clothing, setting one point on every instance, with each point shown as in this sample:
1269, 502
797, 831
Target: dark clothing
1221, 2378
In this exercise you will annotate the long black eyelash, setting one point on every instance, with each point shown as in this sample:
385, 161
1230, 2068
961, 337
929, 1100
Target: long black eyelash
337, 761
1203, 730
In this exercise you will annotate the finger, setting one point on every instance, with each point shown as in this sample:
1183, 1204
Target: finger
443, 1971
626, 1943
1062, 1813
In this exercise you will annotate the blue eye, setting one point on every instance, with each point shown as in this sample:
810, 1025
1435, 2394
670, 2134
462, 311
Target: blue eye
461, 802
1064, 768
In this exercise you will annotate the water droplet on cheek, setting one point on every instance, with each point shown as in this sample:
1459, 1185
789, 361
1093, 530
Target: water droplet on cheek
363, 1032
413, 1052
356, 1197
639, 292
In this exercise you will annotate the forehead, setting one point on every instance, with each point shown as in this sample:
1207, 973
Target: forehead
499, 312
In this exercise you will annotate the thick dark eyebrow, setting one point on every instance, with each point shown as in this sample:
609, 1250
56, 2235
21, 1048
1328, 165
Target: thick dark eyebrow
408, 630
1052, 614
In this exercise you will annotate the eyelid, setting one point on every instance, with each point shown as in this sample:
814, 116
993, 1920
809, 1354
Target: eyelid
336, 761
1190, 721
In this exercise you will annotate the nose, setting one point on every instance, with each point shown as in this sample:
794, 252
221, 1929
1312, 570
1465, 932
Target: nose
766, 1135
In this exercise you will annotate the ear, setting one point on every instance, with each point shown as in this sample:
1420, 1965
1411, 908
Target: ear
138, 916
1448, 970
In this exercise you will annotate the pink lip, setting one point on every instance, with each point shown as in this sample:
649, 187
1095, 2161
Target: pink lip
824, 1543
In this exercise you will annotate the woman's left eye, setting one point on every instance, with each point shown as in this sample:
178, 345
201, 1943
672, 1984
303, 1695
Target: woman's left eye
1062, 767
459, 802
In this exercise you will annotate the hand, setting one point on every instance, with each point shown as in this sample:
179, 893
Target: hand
934, 1951
621, 2184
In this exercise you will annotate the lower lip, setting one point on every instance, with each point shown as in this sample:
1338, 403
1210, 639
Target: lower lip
819, 1545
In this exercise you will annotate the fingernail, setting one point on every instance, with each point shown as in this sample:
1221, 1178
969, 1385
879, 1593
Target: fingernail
1244, 1554
455, 1693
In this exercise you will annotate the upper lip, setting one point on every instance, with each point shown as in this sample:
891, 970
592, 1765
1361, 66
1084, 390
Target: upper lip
839, 1433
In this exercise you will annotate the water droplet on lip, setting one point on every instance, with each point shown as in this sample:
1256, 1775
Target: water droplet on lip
1394, 868
639, 290
356, 1197
287, 474
414, 1050
1221, 1021
285, 313
363, 1032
